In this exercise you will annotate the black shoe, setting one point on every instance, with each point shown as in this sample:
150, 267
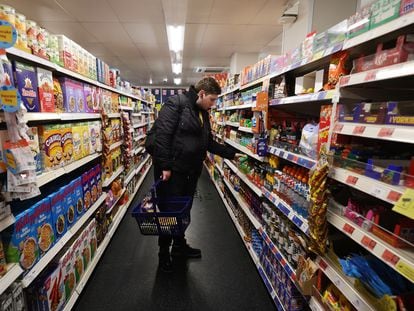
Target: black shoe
185, 251
164, 262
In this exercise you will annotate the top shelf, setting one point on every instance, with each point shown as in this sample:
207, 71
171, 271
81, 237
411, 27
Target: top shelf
52, 66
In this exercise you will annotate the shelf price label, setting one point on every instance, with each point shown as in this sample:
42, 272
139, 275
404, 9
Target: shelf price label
393, 196
390, 257
351, 180
370, 76
405, 204
338, 128
358, 130
368, 242
377, 192
348, 229
385, 132
344, 80
406, 270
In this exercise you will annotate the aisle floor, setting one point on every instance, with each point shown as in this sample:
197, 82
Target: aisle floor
225, 278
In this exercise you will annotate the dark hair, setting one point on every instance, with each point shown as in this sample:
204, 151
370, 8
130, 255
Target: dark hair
209, 85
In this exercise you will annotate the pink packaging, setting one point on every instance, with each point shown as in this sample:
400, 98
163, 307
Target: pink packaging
407, 6
74, 99
89, 97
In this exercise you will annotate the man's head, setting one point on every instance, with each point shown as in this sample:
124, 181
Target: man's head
208, 91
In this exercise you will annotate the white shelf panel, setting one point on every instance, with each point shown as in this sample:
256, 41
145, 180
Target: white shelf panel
230, 91
292, 157
115, 174
219, 169
126, 108
6, 222
41, 116
47, 177
243, 205
140, 125
79, 116
48, 257
219, 136
253, 83
116, 202
50, 116
116, 145
244, 150
221, 123
114, 115
138, 150
315, 305
138, 169
245, 129
129, 177
404, 134
314, 97
14, 271
400, 260
344, 284
390, 72
244, 106
147, 112
381, 190
377, 32
298, 220
234, 124
31, 58
136, 114
244, 178
139, 137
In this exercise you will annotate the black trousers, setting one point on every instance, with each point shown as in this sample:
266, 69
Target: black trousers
179, 184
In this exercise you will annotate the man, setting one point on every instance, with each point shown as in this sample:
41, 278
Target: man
183, 136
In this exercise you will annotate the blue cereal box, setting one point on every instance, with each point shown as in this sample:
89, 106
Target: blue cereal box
43, 225
26, 83
70, 213
21, 244
78, 196
58, 213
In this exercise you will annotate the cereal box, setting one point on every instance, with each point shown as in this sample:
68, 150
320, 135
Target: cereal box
87, 200
92, 185
80, 97
3, 265
78, 196
26, 82
407, 6
67, 144
114, 102
85, 247
65, 51
8, 72
77, 136
93, 242
43, 225
97, 103
95, 137
69, 205
86, 141
58, 96
58, 214
78, 258
67, 266
99, 179
35, 147
50, 138
20, 241
89, 93
51, 292
69, 94
46, 96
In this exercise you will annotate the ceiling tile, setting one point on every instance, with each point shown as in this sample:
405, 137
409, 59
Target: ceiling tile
89, 11
235, 11
223, 34
194, 33
123, 49
247, 48
97, 49
108, 32
207, 62
40, 10
257, 34
147, 33
269, 14
222, 51
72, 30
199, 11
153, 50
138, 11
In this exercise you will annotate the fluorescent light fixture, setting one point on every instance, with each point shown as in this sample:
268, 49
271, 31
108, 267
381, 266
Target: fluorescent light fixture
177, 68
150, 81
177, 80
175, 37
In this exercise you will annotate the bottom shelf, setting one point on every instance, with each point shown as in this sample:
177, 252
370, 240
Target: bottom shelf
101, 249
253, 255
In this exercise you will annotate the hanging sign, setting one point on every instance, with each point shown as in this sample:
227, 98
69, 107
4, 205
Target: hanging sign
8, 35
9, 98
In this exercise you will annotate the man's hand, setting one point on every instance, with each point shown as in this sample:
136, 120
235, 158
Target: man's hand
166, 175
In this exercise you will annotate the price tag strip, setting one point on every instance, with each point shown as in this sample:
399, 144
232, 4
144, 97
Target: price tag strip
379, 189
298, 220
344, 284
376, 131
400, 260
292, 157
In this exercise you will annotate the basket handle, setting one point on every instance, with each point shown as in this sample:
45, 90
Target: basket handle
154, 189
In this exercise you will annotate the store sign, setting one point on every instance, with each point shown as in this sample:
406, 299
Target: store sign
405, 204
8, 35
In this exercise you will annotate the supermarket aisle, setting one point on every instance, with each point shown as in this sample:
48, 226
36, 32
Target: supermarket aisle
224, 279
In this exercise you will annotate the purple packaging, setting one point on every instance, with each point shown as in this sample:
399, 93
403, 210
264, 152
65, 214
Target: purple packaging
80, 97
69, 94
89, 97
26, 82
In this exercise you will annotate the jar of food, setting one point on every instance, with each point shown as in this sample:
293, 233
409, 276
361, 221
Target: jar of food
7, 13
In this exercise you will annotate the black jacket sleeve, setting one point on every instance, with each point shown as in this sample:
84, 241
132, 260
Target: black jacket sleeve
167, 123
223, 151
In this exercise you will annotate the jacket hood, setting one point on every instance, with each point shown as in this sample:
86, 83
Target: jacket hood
192, 95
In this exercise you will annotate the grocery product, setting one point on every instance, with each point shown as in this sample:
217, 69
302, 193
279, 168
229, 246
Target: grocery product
77, 136
26, 82
87, 198
85, 139
78, 196
384, 11
67, 266
58, 213
35, 148
67, 144
8, 76
78, 258
43, 225
45, 83
89, 95
69, 94
407, 6
7, 13
58, 96
50, 140
69, 205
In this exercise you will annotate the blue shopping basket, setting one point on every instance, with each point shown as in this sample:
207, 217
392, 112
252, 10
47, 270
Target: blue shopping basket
173, 219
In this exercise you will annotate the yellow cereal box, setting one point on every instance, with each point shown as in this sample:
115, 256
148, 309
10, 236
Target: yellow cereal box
50, 138
77, 136
67, 143
86, 148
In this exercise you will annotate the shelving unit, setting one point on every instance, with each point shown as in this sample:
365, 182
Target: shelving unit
115, 174
244, 178
244, 150
109, 211
13, 273
233, 124
306, 98
51, 253
292, 157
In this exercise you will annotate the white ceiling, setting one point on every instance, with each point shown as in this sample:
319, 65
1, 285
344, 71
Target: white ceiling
131, 34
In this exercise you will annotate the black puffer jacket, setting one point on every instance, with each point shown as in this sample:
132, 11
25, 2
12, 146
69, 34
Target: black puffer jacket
181, 143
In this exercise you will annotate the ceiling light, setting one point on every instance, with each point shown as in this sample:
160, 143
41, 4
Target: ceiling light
177, 68
150, 81
175, 37
177, 80
165, 80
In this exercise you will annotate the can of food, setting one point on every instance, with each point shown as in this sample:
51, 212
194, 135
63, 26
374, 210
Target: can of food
7, 13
